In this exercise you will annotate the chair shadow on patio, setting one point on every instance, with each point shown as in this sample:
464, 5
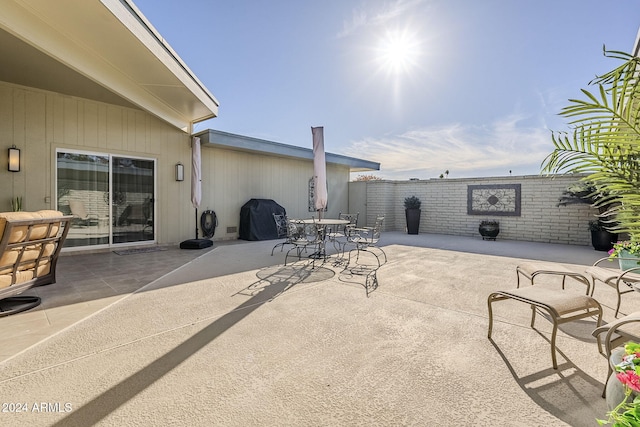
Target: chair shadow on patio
286, 277
361, 267
558, 391
353, 275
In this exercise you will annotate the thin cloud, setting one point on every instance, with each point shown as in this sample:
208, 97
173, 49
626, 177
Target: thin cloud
465, 151
363, 17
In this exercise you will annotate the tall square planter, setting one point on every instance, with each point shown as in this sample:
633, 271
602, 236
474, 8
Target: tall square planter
413, 220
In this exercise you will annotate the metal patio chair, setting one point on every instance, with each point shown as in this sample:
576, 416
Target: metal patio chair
365, 240
307, 234
338, 236
283, 230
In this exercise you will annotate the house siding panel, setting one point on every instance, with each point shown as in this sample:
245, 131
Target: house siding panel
40, 122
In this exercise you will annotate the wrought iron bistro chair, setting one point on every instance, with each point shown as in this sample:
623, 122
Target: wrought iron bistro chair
366, 239
339, 236
283, 230
307, 234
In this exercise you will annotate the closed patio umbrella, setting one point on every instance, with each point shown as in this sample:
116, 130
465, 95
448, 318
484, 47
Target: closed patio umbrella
196, 194
319, 170
196, 177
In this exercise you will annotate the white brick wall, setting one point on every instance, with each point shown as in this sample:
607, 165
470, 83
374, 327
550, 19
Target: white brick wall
444, 208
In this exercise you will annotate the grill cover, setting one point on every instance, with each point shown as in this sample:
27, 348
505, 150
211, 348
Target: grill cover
256, 219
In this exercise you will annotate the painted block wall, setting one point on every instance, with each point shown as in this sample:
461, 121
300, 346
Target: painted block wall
444, 208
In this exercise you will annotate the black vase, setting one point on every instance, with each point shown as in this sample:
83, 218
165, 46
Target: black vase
602, 240
413, 220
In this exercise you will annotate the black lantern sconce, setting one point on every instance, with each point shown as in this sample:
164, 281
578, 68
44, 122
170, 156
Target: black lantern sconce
14, 159
179, 172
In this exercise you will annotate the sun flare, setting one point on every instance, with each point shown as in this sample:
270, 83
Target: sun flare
398, 51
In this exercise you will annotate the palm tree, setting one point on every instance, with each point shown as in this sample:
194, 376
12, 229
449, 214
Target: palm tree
605, 142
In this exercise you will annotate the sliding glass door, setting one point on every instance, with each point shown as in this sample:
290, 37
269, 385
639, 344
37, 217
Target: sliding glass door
111, 198
132, 199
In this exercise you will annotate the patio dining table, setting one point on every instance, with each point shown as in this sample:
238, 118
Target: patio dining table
322, 229
325, 221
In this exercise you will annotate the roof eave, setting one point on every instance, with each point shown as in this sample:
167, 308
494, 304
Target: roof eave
111, 43
230, 141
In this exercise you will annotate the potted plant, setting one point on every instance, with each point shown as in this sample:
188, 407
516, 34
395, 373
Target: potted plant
412, 213
489, 229
627, 253
16, 204
625, 412
586, 192
601, 238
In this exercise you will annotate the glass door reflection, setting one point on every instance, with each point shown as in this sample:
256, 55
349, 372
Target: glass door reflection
83, 191
132, 203
111, 198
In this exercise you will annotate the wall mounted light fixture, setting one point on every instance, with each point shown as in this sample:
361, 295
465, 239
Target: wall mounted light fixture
14, 159
179, 172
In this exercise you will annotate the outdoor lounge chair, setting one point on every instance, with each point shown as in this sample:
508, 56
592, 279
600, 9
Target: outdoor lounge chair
620, 280
80, 214
561, 307
617, 333
30, 243
537, 268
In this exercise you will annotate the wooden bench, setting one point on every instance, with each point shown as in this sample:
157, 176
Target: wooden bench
561, 307
30, 243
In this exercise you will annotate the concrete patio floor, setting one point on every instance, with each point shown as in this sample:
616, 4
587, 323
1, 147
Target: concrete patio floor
95, 287
86, 283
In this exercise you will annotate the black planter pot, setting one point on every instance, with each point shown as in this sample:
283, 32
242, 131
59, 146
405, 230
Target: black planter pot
488, 231
602, 240
413, 220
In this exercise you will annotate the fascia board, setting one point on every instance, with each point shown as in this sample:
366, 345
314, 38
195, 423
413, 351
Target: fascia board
229, 141
138, 24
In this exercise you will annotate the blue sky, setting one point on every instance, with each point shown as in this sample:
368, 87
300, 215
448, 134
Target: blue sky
421, 86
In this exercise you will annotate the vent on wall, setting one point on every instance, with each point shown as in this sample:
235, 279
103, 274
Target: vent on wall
232, 230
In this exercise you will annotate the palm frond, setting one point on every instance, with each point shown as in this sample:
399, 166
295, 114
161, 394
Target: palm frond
604, 142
